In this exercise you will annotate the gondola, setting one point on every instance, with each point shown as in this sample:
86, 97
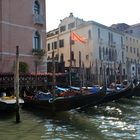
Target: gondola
116, 94
136, 90
8, 103
65, 101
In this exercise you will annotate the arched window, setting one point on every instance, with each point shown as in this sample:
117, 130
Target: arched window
109, 54
103, 53
62, 57
37, 41
106, 53
100, 54
36, 7
113, 54
72, 55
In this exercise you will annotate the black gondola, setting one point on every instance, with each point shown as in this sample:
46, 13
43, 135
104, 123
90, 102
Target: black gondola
64, 103
113, 95
136, 90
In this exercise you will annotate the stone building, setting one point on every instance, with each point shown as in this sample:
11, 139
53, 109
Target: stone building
102, 57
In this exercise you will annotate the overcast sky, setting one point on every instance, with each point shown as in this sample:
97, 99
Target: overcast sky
106, 12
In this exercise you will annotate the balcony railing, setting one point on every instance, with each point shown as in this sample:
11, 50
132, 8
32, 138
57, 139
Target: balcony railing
38, 19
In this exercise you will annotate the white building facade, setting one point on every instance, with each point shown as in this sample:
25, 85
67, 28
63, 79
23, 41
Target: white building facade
102, 57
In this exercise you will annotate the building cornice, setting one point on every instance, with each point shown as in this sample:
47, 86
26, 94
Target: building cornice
14, 54
20, 26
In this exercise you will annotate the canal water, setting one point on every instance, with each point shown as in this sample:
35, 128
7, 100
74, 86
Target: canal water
112, 121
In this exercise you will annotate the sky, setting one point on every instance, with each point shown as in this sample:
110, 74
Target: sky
106, 12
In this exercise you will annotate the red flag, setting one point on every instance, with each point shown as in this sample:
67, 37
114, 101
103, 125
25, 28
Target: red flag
76, 37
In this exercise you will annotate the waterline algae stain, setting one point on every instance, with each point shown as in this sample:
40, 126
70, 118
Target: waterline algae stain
111, 121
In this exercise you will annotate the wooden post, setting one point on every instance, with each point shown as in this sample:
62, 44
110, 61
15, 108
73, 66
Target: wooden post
53, 74
80, 71
17, 85
115, 73
36, 77
54, 81
70, 66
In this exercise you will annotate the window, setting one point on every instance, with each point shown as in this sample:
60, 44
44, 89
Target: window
113, 55
72, 55
61, 57
109, 38
62, 28
37, 41
131, 31
127, 48
61, 43
89, 34
48, 46
100, 55
133, 69
138, 52
101, 70
103, 53
71, 25
131, 49
55, 45
36, 7
109, 57
121, 41
134, 50
123, 71
107, 52
99, 33
122, 56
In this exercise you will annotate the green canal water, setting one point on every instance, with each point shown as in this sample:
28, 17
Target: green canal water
112, 121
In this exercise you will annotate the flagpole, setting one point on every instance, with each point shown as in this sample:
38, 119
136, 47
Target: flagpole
70, 60
75, 37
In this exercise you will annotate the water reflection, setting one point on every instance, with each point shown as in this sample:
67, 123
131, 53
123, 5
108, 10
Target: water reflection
118, 120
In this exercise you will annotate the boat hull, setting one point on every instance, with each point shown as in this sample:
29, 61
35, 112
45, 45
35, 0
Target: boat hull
116, 95
65, 103
9, 104
136, 90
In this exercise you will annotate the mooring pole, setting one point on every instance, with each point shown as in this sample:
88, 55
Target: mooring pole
17, 85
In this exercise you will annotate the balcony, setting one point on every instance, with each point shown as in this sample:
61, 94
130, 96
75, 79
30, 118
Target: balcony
38, 19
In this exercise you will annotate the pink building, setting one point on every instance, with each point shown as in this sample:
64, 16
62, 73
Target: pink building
22, 23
